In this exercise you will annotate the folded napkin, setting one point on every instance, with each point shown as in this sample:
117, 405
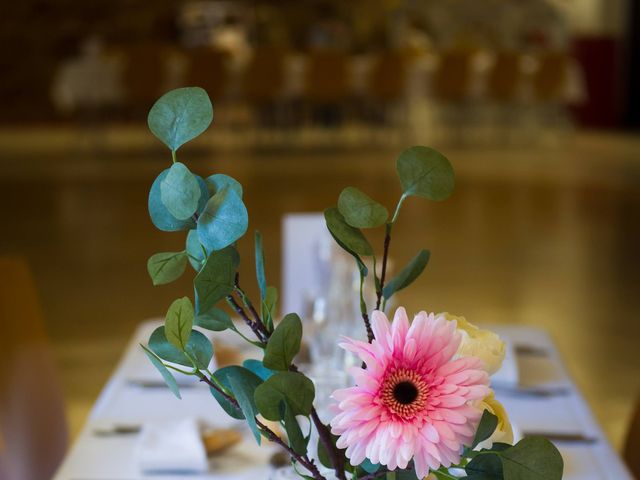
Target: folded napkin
171, 446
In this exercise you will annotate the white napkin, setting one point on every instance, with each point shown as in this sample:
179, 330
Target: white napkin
171, 446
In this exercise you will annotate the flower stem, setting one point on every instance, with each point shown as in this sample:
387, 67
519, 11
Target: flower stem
385, 259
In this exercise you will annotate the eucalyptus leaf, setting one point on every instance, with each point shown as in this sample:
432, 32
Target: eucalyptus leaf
349, 238
180, 191
485, 467
223, 221
359, 210
425, 172
297, 441
219, 181
486, 427
269, 305
216, 320
532, 458
284, 343
169, 379
166, 267
293, 387
178, 322
198, 347
222, 376
408, 274
257, 367
195, 250
180, 115
161, 216
262, 281
243, 384
216, 280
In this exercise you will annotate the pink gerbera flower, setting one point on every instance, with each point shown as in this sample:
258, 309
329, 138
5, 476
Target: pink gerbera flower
414, 401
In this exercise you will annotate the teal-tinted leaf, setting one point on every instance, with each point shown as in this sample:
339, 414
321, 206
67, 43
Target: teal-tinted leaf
258, 368
297, 441
408, 274
532, 458
284, 343
359, 210
223, 221
198, 347
180, 115
293, 387
180, 192
426, 173
178, 322
219, 181
169, 379
161, 217
243, 384
486, 427
195, 250
215, 319
348, 237
262, 281
166, 267
222, 376
216, 279
369, 467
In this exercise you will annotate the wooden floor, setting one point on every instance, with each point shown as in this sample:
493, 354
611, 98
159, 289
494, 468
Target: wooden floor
534, 236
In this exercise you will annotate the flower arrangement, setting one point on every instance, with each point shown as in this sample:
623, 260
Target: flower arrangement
421, 405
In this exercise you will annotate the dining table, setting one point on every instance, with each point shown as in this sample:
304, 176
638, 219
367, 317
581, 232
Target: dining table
543, 400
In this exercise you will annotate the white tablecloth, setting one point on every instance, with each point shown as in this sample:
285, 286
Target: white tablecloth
94, 457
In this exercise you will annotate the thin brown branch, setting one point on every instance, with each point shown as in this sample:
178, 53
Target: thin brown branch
252, 325
385, 259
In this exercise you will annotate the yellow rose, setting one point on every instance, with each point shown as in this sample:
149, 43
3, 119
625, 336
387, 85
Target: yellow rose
504, 431
476, 342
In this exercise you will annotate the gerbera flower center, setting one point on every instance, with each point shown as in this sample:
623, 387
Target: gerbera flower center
404, 392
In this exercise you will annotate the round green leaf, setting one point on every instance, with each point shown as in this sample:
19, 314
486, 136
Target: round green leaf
180, 115
223, 221
532, 458
294, 388
180, 191
215, 319
359, 210
284, 343
347, 236
166, 267
161, 216
425, 172
216, 280
198, 347
178, 322
216, 183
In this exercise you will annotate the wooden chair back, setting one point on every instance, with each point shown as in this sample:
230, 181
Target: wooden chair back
551, 76
389, 77
264, 77
32, 414
207, 68
452, 80
505, 77
327, 76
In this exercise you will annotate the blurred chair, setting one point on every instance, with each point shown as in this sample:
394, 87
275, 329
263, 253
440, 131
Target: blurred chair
32, 415
632, 445
207, 68
144, 76
550, 82
326, 86
504, 94
452, 86
388, 83
263, 84
550, 79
